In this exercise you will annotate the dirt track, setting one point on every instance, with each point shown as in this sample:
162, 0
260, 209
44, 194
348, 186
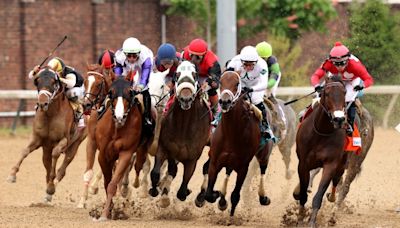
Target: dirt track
371, 202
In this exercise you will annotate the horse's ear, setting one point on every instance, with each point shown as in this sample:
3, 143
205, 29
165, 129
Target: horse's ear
87, 65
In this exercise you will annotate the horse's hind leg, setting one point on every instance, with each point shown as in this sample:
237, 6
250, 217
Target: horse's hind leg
285, 151
222, 205
69, 156
189, 168
141, 158
33, 145
335, 181
235, 197
200, 197
354, 167
263, 198
145, 180
46, 159
313, 173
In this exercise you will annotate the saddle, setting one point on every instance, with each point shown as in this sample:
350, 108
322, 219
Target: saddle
257, 112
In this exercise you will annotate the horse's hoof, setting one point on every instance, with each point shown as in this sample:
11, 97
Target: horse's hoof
331, 198
101, 219
12, 179
213, 197
153, 192
182, 195
164, 201
222, 205
93, 190
264, 200
47, 198
200, 200
136, 183
82, 203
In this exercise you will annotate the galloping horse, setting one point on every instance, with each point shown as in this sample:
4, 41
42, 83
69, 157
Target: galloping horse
97, 84
319, 143
56, 132
118, 135
234, 143
184, 133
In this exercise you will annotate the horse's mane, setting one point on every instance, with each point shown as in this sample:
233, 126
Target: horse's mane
94, 67
334, 78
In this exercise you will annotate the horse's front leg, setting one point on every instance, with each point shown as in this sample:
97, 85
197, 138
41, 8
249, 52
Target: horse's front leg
263, 160
213, 170
55, 154
33, 145
124, 160
300, 192
189, 168
91, 148
155, 173
165, 185
200, 197
235, 197
327, 175
222, 204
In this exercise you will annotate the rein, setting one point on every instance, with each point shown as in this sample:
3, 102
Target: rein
102, 87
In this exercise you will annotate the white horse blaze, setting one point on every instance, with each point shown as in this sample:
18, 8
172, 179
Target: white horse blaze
338, 114
91, 80
119, 109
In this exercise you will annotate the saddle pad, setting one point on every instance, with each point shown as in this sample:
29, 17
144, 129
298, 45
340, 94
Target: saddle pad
257, 111
353, 144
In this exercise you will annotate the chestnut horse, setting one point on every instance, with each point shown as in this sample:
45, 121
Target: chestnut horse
184, 133
97, 84
118, 134
319, 143
56, 132
234, 143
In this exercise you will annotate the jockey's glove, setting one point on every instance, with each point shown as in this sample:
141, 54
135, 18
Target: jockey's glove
247, 90
318, 88
358, 87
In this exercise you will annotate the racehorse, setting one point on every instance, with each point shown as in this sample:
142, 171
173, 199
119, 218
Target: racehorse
234, 143
184, 133
365, 124
56, 132
97, 84
319, 143
118, 134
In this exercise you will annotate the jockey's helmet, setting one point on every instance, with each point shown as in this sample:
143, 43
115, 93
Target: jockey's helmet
248, 54
57, 64
131, 45
198, 47
107, 59
264, 49
166, 51
339, 51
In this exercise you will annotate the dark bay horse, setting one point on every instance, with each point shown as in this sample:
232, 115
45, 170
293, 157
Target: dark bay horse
184, 133
118, 134
319, 143
56, 132
234, 143
97, 84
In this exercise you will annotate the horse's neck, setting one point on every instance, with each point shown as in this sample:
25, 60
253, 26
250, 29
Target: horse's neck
322, 119
238, 117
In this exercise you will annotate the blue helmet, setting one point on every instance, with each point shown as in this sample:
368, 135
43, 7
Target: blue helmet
166, 51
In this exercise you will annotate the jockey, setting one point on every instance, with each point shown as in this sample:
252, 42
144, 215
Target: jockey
167, 58
207, 66
73, 82
264, 50
253, 72
341, 62
136, 58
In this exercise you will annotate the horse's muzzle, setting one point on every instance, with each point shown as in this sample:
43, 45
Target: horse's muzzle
43, 106
338, 122
186, 102
226, 105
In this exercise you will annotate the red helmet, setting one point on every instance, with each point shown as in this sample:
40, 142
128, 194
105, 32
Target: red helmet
107, 59
339, 51
198, 47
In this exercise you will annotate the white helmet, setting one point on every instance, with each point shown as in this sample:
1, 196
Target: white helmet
131, 45
249, 54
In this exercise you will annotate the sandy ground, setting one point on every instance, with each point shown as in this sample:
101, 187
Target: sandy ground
371, 202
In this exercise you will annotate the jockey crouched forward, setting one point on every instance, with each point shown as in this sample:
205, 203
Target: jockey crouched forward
134, 58
207, 67
353, 73
74, 86
253, 71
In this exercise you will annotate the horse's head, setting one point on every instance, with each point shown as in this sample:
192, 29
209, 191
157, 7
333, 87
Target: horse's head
157, 87
186, 84
122, 99
47, 83
333, 100
230, 90
96, 84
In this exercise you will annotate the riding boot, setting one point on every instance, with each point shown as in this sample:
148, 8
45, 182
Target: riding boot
214, 109
147, 108
103, 107
265, 128
351, 115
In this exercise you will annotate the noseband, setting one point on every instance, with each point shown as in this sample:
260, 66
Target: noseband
102, 87
50, 96
232, 97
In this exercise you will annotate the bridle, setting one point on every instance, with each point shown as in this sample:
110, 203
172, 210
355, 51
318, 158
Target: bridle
232, 97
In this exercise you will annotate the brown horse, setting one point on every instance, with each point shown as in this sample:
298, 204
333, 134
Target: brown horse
320, 142
234, 143
184, 133
97, 84
56, 132
118, 134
